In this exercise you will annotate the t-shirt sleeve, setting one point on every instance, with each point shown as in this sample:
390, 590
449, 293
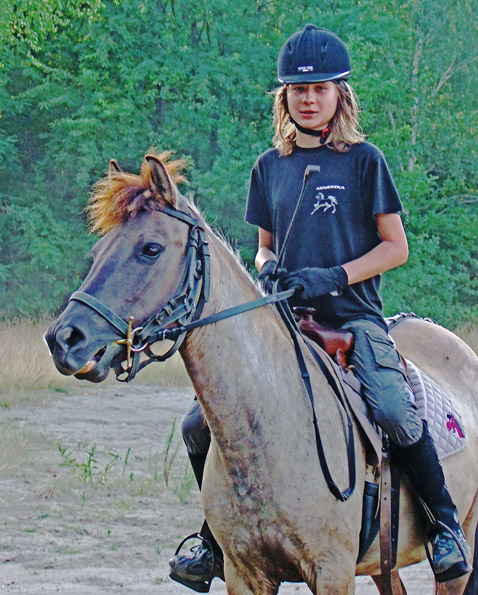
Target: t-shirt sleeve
384, 196
257, 209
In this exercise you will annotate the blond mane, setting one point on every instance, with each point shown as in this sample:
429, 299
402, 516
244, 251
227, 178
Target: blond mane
120, 195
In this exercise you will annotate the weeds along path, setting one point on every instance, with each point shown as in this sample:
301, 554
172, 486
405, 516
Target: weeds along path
96, 493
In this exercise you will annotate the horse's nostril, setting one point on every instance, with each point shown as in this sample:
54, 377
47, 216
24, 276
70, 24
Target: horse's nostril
69, 337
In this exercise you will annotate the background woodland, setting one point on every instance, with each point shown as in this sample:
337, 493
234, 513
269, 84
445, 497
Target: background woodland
83, 81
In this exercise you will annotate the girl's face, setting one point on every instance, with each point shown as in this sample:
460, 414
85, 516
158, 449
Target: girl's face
314, 105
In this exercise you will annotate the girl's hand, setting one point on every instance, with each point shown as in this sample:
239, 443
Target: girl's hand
268, 276
313, 282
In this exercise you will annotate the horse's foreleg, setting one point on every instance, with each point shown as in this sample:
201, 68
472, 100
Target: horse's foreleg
395, 588
236, 583
333, 583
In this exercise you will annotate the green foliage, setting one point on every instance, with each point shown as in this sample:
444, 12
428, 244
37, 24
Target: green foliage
83, 82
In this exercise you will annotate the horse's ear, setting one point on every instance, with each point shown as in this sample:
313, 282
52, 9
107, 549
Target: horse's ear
114, 167
161, 182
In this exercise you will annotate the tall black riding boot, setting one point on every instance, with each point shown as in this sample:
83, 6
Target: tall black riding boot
204, 561
451, 554
198, 461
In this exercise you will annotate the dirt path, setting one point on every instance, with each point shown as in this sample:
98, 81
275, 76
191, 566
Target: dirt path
84, 505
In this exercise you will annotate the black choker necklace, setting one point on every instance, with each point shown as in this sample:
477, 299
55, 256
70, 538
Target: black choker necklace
324, 134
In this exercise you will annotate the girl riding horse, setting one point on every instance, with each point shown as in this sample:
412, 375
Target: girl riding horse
334, 258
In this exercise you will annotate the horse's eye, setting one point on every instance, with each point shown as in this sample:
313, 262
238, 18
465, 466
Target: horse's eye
151, 251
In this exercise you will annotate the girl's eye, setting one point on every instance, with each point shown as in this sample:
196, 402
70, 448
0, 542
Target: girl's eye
151, 251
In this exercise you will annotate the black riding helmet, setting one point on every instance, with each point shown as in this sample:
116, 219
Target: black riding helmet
313, 55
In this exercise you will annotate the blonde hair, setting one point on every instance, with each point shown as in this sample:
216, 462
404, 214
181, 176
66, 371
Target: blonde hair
344, 127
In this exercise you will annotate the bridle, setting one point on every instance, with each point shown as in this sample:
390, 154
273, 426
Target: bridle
182, 314
185, 306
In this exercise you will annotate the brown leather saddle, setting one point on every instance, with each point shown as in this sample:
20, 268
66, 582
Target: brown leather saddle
337, 344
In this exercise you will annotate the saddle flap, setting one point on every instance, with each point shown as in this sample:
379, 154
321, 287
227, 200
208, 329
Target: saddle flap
352, 390
433, 405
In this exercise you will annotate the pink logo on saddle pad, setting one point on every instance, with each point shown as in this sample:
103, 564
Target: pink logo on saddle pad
452, 425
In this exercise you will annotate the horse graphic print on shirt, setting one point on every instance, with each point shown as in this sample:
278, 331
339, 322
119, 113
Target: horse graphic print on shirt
326, 202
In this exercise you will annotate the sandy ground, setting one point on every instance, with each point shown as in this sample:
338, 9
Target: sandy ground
84, 505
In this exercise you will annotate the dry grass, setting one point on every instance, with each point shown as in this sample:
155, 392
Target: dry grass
28, 370
20, 443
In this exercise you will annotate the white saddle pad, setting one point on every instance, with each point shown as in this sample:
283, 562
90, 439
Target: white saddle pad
444, 422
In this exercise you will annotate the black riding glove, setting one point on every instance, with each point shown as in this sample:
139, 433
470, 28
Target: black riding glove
267, 275
312, 282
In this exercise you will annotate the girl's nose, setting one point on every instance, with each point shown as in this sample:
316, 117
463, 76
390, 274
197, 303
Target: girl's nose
308, 95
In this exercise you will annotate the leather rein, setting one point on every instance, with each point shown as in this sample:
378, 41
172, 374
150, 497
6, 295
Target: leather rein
182, 314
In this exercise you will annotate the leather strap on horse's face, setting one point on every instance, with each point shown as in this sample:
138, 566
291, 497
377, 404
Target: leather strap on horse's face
186, 305
182, 312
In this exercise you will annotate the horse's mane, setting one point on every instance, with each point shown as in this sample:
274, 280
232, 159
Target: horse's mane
120, 195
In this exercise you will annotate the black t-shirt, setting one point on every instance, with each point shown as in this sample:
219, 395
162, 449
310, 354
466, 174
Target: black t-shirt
336, 222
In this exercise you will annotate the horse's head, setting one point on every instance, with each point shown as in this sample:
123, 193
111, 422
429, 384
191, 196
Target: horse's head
138, 265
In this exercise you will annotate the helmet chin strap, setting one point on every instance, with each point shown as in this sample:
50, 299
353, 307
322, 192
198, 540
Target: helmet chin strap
323, 134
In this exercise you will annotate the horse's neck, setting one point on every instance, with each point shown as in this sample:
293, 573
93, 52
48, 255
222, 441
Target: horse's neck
233, 345
243, 368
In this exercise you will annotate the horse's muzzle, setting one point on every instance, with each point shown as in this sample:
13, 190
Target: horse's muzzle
74, 354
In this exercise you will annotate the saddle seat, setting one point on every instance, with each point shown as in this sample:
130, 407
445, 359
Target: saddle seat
337, 344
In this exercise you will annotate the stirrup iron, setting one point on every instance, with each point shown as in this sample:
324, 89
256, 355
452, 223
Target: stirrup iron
200, 587
435, 526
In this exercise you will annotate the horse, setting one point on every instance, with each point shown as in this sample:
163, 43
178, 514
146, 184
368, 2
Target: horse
264, 493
